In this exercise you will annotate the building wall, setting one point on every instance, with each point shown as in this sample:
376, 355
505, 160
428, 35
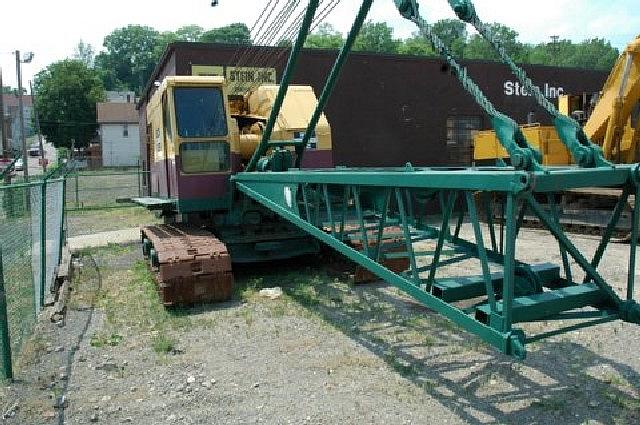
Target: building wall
120, 96
387, 110
117, 150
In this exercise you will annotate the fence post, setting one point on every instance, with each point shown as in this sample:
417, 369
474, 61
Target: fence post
139, 179
43, 240
5, 341
62, 213
77, 195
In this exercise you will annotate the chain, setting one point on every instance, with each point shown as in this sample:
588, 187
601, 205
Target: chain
585, 153
485, 31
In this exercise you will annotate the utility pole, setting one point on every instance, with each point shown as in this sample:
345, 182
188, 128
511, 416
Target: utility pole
3, 133
25, 158
554, 41
37, 120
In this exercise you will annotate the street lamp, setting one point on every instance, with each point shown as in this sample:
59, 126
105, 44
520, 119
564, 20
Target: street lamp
28, 57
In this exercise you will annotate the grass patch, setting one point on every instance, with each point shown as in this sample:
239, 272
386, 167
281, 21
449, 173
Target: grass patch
550, 404
99, 340
163, 344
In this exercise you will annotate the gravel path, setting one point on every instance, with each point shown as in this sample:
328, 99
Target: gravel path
95, 240
327, 352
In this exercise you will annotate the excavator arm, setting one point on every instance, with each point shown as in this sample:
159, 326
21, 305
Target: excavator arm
620, 94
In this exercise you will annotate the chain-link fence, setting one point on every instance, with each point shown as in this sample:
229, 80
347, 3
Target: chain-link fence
31, 235
107, 188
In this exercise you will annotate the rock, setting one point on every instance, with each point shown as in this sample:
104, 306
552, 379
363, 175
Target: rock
11, 411
171, 418
60, 402
213, 381
271, 293
126, 420
191, 380
206, 384
594, 404
133, 389
59, 349
94, 418
49, 414
106, 398
108, 367
256, 385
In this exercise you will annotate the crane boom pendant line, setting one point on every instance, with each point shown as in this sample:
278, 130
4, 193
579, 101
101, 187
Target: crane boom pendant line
584, 152
333, 78
284, 83
523, 156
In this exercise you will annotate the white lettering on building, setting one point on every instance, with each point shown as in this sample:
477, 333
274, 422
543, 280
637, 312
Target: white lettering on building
514, 88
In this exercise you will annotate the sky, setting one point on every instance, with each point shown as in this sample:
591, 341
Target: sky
52, 29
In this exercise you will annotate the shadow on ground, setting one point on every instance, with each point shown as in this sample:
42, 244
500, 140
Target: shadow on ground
562, 380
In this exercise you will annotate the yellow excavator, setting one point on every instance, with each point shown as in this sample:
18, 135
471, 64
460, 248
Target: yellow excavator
610, 118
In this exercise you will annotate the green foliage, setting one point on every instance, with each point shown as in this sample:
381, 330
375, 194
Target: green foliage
478, 48
132, 52
67, 92
376, 37
453, 33
326, 37
130, 57
163, 343
416, 46
237, 33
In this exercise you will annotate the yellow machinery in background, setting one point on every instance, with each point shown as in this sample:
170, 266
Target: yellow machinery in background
544, 138
610, 119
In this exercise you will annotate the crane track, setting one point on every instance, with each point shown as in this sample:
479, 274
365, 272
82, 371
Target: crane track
191, 264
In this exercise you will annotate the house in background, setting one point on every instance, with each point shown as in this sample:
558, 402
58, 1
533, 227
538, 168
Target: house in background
120, 96
118, 133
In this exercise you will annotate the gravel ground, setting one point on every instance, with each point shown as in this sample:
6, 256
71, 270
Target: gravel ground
325, 352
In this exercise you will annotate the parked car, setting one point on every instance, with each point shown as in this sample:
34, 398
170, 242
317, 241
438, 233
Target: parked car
18, 165
34, 150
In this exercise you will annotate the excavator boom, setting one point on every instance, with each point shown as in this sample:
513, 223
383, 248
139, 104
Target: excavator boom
620, 94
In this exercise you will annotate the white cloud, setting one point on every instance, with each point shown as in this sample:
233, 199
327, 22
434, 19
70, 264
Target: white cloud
52, 29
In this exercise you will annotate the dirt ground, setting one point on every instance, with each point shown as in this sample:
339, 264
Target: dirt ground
326, 352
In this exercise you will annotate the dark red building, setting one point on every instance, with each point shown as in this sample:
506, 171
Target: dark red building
387, 110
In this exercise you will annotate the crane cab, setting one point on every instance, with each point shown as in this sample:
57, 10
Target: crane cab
192, 143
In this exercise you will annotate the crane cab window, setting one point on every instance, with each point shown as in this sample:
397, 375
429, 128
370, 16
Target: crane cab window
204, 157
200, 112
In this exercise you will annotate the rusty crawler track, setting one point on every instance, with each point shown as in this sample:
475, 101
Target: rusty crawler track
192, 265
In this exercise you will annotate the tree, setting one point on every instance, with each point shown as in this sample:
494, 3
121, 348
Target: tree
596, 53
416, 46
189, 33
325, 37
453, 33
66, 96
479, 48
237, 33
376, 37
131, 54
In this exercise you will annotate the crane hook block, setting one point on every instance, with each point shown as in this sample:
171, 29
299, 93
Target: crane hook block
407, 8
464, 9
